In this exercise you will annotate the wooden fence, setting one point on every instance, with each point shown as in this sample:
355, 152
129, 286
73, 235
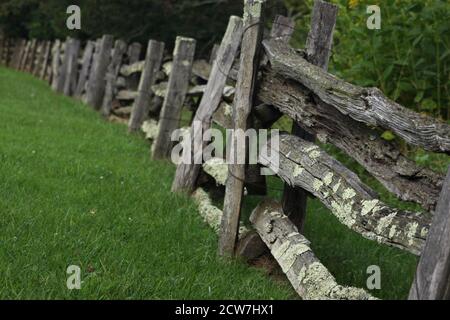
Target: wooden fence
250, 81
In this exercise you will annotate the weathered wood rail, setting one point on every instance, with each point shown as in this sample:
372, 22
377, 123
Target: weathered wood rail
267, 80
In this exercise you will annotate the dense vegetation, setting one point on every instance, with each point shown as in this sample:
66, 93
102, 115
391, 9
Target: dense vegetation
409, 58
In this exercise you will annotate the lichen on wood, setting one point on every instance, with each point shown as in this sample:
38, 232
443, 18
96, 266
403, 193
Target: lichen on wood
210, 213
383, 159
366, 105
218, 169
303, 164
309, 277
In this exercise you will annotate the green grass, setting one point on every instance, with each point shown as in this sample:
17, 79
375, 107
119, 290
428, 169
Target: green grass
77, 190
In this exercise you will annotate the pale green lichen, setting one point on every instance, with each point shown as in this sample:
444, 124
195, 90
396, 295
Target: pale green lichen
160, 89
167, 67
314, 154
277, 252
424, 232
349, 193
298, 170
336, 186
150, 128
344, 213
210, 213
317, 184
218, 169
393, 231
328, 179
317, 283
411, 233
228, 110
310, 148
287, 259
385, 222
368, 206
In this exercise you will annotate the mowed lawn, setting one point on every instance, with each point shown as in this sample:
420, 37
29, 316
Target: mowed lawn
77, 190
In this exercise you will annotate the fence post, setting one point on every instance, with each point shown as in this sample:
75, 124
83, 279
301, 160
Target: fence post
111, 76
318, 47
2, 45
62, 70
30, 57
186, 174
85, 67
432, 280
24, 55
72, 67
16, 54
134, 53
153, 60
56, 61
243, 102
97, 82
177, 88
38, 58
46, 60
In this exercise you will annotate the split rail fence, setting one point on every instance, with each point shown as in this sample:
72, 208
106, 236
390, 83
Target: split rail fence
250, 81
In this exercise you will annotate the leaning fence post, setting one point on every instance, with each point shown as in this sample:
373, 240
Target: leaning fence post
318, 47
153, 60
30, 58
186, 174
19, 52
97, 82
432, 280
38, 58
45, 60
2, 46
24, 55
243, 102
134, 52
15, 53
86, 63
177, 88
71, 57
62, 70
56, 62
111, 76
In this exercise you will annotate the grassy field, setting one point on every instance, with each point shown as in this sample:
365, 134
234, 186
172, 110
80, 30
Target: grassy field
77, 190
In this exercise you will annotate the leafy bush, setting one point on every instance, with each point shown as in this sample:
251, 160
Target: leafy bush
408, 58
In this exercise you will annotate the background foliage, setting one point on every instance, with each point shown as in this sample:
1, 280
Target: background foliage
408, 58
131, 20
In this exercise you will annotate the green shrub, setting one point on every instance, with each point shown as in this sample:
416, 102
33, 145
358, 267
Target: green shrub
408, 58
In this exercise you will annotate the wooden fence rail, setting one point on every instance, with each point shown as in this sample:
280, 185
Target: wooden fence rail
268, 80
